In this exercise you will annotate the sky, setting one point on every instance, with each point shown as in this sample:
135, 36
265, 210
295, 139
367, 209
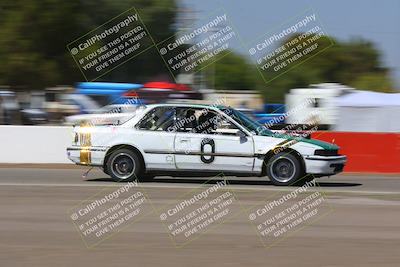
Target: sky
373, 20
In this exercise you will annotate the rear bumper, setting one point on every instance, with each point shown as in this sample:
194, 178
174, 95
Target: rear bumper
322, 165
87, 155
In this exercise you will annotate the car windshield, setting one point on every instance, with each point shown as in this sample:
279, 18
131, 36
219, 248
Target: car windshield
251, 125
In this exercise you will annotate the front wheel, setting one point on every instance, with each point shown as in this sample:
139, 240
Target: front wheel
124, 165
284, 169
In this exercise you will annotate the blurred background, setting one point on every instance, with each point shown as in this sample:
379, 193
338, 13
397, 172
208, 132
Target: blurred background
353, 84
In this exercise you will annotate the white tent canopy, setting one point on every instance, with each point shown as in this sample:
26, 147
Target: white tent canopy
368, 99
364, 111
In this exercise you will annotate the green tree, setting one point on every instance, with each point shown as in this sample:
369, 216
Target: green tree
34, 35
373, 82
231, 72
355, 63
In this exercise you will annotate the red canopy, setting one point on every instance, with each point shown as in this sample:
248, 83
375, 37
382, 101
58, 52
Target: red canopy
167, 86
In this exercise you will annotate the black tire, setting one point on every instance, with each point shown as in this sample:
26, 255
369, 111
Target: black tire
124, 165
284, 169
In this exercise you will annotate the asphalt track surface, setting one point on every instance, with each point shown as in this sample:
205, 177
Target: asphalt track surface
362, 227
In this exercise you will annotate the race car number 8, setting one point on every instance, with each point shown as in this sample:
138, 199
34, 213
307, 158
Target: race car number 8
204, 143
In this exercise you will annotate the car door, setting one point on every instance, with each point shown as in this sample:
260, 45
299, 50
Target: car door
155, 134
211, 142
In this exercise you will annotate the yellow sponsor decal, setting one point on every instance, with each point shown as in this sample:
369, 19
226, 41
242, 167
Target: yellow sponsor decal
85, 137
85, 157
283, 145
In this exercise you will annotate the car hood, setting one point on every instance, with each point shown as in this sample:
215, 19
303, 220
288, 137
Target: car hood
322, 144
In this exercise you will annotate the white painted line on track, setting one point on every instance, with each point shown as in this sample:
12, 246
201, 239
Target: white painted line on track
178, 186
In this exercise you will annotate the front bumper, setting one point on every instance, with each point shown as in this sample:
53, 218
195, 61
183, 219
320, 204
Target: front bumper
325, 165
93, 156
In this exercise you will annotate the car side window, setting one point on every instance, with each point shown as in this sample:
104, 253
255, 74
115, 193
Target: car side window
203, 121
158, 119
186, 119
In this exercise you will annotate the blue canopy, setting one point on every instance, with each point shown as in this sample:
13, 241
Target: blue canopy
112, 91
105, 88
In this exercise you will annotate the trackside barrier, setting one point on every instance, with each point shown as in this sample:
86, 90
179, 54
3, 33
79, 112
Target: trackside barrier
366, 152
34, 144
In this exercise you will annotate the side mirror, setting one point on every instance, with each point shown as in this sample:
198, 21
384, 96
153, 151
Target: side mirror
242, 135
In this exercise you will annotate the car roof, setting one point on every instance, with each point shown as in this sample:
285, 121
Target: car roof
188, 105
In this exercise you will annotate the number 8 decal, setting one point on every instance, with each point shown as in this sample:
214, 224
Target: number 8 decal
211, 143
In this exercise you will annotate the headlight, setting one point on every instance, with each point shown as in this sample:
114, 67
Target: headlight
325, 152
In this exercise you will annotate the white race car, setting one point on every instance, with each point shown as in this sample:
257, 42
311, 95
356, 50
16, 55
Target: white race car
187, 139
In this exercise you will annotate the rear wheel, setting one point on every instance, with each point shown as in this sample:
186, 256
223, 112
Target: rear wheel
284, 169
124, 165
